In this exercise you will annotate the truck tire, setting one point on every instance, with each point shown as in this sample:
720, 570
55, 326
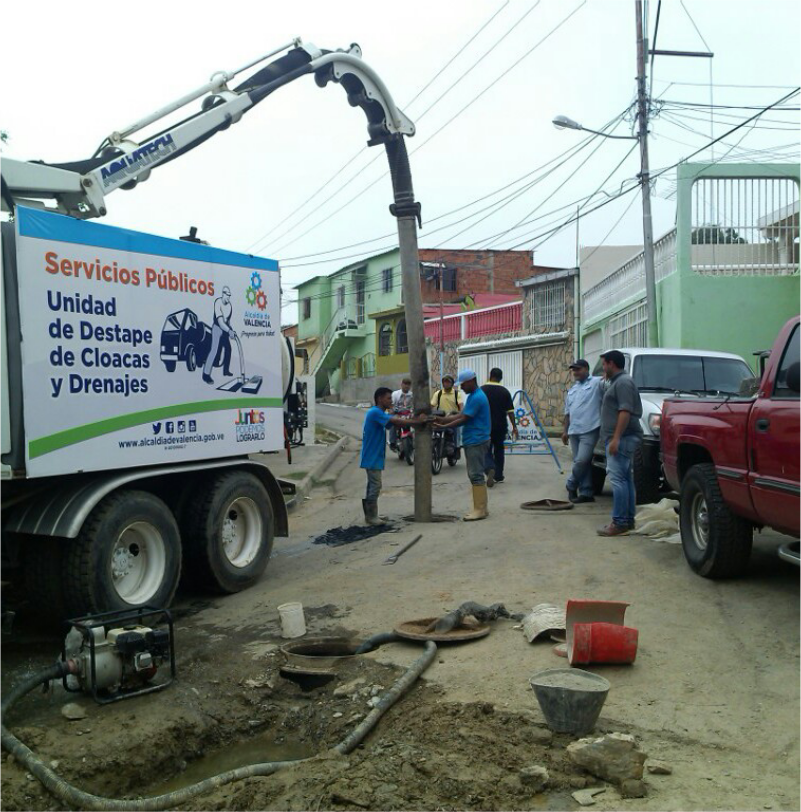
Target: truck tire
598, 479
44, 577
128, 554
646, 479
717, 544
228, 537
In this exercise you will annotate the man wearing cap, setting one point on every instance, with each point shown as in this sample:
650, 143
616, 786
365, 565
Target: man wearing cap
221, 335
582, 423
621, 433
475, 417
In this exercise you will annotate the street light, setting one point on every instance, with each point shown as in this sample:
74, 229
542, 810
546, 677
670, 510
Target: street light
565, 123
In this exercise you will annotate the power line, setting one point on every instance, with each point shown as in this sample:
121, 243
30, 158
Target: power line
440, 129
364, 149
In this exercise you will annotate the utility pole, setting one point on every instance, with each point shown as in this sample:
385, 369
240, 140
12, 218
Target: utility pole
645, 183
407, 212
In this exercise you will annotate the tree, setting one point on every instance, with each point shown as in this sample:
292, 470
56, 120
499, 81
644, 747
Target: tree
716, 235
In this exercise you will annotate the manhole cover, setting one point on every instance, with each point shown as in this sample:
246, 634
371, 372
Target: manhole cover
547, 504
416, 630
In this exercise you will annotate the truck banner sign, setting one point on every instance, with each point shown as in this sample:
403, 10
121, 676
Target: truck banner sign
142, 350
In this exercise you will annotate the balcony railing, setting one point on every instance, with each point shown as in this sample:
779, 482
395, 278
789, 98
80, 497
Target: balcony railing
628, 281
489, 321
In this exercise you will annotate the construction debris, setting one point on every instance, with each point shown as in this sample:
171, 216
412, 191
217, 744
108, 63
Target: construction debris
614, 757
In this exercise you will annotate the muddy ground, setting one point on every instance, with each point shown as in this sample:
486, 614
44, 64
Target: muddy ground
714, 691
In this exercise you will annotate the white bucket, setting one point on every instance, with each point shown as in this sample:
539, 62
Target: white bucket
293, 623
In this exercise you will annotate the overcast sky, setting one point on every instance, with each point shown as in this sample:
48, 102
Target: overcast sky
72, 73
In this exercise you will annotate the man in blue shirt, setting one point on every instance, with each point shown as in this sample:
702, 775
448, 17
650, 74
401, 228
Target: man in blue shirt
475, 416
374, 448
582, 426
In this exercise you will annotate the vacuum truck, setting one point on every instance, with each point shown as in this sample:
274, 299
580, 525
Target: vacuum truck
140, 374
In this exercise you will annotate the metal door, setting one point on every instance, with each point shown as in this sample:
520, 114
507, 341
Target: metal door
511, 364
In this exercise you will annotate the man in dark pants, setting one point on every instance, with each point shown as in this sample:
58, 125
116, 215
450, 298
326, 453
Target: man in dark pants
621, 433
501, 408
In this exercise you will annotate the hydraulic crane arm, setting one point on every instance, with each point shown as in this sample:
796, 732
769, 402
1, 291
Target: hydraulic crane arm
79, 188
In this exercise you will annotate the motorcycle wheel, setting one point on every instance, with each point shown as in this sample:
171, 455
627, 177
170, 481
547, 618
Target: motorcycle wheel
408, 449
452, 461
436, 457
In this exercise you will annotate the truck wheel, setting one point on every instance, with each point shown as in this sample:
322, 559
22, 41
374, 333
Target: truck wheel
191, 358
127, 554
228, 537
717, 544
646, 479
44, 576
598, 479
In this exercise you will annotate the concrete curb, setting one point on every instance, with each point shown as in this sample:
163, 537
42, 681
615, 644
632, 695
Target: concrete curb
307, 483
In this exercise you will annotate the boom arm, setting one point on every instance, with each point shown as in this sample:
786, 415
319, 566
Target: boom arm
79, 189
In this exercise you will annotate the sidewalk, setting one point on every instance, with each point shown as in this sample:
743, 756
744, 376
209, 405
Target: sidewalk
309, 463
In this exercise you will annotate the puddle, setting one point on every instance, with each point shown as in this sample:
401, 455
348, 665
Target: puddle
255, 750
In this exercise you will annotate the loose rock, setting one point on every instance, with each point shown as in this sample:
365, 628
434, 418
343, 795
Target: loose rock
73, 711
535, 778
349, 688
586, 797
632, 788
614, 757
658, 767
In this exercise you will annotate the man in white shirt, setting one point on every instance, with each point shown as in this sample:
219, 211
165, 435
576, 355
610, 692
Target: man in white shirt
402, 400
221, 335
582, 425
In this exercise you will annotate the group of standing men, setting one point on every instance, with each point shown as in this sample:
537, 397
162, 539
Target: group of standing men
482, 417
608, 408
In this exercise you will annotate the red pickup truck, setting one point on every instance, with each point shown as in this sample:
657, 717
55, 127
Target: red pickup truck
734, 461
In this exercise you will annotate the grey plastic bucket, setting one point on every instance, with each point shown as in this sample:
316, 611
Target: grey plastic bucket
570, 699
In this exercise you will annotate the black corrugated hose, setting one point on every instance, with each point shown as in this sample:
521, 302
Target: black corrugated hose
79, 799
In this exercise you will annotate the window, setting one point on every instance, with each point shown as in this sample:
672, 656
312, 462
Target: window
385, 340
307, 308
548, 306
401, 339
791, 356
449, 279
630, 329
340, 297
689, 373
388, 279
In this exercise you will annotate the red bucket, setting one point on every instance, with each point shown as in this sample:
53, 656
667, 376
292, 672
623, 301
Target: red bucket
603, 643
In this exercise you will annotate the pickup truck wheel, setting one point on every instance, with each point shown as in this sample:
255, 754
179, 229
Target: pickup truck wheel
228, 537
717, 544
128, 554
191, 358
646, 479
598, 480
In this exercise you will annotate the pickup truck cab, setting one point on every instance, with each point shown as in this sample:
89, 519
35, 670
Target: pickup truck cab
660, 373
735, 463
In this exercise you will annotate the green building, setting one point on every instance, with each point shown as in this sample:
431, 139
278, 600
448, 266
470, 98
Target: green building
336, 324
727, 277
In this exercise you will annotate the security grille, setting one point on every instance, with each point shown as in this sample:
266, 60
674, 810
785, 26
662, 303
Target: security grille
630, 329
548, 306
745, 226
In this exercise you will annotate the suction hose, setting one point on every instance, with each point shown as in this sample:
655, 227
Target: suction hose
75, 797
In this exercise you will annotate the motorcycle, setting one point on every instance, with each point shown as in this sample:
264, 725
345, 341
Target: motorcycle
404, 446
443, 446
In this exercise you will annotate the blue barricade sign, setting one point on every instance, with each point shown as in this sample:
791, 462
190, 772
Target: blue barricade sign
531, 433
